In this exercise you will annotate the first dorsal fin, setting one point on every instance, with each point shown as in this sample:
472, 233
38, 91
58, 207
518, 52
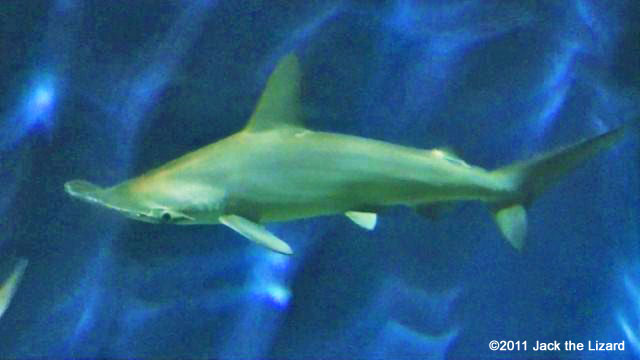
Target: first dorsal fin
279, 104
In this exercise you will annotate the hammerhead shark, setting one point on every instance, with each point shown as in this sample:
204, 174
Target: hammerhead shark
276, 169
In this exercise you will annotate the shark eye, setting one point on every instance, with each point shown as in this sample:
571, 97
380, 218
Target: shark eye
165, 218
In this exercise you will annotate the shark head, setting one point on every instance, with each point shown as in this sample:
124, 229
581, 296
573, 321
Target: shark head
126, 202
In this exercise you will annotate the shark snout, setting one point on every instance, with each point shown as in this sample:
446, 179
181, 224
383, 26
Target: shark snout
126, 202
116, 198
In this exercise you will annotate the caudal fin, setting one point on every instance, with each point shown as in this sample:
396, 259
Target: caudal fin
532, 177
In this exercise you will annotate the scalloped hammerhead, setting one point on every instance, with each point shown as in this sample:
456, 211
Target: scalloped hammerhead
276, 169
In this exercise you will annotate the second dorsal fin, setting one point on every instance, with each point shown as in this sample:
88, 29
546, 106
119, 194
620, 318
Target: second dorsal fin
279, 104
449, 155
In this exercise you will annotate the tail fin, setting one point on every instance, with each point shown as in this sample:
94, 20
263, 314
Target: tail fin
532, 177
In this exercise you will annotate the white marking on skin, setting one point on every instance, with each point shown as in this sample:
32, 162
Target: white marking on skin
444, 156
302, 133
437, 153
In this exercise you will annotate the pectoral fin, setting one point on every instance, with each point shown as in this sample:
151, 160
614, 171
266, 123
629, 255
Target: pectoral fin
256, 233
363, 219
11, 272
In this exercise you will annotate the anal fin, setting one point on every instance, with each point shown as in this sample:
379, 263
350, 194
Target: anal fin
256, 233
365, 220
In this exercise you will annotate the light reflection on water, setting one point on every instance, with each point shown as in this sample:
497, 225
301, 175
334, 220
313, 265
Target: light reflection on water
232, 303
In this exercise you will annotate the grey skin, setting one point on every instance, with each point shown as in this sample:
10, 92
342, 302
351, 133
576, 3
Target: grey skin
277, 170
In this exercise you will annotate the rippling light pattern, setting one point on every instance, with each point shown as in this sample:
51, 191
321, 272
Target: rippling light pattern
267, 295
135, 95
34, 114
593, 41
630, 328
628, 317
407, 322
36, 111
398, 70
94, 299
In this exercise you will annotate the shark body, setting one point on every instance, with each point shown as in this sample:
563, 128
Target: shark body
277, 170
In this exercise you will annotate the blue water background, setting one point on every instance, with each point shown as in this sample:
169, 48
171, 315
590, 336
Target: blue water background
106, 90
